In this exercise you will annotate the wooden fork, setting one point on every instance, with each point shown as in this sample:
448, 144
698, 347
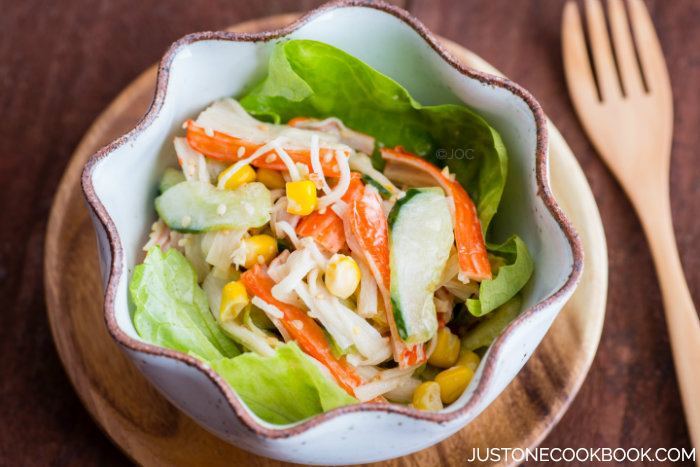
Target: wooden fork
628, 115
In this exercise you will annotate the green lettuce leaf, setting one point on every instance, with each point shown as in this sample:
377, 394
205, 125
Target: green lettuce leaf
509, 279
313, 79
284, 388
491, 326
171, 309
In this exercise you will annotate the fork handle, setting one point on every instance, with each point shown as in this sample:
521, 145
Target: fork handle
681, 317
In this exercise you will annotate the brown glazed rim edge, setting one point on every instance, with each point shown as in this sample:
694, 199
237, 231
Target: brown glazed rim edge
543, 191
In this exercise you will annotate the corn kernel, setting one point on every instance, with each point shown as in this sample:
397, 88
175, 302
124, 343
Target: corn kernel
453, 382
301, 197
234, 298
231, 181
446, 351
342, 276
259, 249
469, 359
427, 397
272, 179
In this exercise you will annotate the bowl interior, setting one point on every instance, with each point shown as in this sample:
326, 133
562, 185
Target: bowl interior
206, 70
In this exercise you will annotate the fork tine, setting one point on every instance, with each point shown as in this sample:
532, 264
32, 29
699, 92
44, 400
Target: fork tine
624, 49
601, 51
650, 53
577, 67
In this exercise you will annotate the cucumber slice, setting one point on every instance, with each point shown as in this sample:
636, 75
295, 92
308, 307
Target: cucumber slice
420, 239
200, 207
170, 178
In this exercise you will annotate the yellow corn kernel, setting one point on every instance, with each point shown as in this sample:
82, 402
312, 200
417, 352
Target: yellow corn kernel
446, 351
453, 382
301, 197
469, 359
427, 397
243, 175
259, 249
272, 179
342, 276
234, 298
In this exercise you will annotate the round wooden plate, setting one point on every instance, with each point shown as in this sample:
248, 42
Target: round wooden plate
152, 432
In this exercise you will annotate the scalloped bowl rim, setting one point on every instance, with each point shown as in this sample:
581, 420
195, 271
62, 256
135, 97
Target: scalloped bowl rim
227, 392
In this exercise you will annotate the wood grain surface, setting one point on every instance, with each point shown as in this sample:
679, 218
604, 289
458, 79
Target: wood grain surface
61, 63
152, 432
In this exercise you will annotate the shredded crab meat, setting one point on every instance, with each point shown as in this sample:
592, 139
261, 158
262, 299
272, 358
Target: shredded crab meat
444, 303
461, 290
162, 236
320, 258
288, 162
222, 246
335, 126
325, 315
451, 268
194, 164
343, 183
403, 393
279, 214
383, 382
316, 165
276, 194
284, 228
367, 302
261, 151
363, 335
299, 264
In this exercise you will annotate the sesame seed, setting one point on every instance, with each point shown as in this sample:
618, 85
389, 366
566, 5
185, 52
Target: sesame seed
209, 132
241, 151
186, 221
270, 158
221, 209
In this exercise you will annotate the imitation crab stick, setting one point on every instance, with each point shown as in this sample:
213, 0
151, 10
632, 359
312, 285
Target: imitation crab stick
352, 138
227, 148
302, 329
327, 227
471, 248
370, 230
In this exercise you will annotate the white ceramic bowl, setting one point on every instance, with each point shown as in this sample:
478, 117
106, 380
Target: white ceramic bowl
120, 184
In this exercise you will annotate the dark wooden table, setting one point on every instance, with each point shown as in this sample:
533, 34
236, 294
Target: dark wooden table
62, 62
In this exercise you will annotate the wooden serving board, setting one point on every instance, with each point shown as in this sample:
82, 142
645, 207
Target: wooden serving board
153, 432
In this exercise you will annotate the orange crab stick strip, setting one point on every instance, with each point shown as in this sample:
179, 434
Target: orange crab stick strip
227, 148
302, 329
326, 227
471, 248
370, 230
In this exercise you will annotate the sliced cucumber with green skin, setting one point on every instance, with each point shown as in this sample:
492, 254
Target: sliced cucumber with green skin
420, 238
200, 207
170, 178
